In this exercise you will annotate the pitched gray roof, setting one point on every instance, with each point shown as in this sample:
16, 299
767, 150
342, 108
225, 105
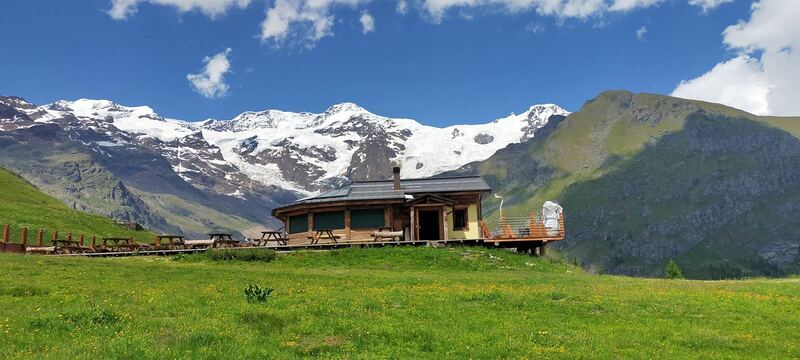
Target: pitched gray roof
384, 190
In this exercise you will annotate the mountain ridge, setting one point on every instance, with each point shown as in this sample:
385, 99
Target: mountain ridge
646, 178
237, 169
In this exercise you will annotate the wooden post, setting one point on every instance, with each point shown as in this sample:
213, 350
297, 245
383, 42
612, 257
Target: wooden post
94, 241
311, 223
445, 227
55, 235
24, 236
413, 229
347, 230
6, 233
69, 236
531, 225
40, 238
504, 227
81, 240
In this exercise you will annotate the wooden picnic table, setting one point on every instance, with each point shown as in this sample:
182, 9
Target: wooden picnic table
323, 233
272, 235
69, 246
118, 243
223, 240
170, 241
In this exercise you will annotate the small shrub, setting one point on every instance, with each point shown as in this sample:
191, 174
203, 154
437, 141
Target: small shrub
673, 271
265, 255
179, 257
257, 294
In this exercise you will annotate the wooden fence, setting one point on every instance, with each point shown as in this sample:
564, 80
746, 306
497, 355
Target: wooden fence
6, 245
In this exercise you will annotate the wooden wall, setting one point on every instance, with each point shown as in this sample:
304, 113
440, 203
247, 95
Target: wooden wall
396, 215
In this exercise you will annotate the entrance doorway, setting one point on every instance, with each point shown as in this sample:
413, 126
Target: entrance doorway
430, 224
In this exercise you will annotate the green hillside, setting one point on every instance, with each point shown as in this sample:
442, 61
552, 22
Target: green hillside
23, 205
407, 303
646, 178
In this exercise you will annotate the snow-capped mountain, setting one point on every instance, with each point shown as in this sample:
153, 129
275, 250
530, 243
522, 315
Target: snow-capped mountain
243, 165
302, 152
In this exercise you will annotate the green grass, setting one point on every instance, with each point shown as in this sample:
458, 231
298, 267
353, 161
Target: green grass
382, 303
22, 205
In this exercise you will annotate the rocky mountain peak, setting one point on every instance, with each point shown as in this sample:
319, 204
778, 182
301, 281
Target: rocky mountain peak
345, 107
16, 102
102, 108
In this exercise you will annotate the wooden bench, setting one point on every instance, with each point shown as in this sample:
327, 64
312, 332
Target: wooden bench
40, 249
198, 244
383, 234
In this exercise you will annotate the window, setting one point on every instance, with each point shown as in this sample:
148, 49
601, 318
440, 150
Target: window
329, 220
460, 219
298, 224
367, 218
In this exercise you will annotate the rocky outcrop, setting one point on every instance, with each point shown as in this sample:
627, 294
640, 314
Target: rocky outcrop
46, 156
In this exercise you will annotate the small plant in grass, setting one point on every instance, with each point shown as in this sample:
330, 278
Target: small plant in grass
673, 271
257, 294
179, 257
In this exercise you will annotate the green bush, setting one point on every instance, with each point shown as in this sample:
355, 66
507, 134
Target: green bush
265, 255
257, 294
673, 271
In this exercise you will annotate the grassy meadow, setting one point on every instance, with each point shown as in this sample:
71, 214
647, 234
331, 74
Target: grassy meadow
23, 205
382, 303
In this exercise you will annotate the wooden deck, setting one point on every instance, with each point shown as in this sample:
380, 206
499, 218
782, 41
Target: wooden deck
531, 239
525, 245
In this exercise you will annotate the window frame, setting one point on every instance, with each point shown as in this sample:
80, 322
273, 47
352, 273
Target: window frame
318, 213
465, 209
290, 230
355, 227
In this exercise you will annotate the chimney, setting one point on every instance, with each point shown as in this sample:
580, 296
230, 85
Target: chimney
396, 176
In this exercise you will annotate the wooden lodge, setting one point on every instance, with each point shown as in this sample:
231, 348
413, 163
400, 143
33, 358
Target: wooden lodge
427, 211
446, 208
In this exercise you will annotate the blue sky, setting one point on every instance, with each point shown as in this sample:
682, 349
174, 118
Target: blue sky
441, 62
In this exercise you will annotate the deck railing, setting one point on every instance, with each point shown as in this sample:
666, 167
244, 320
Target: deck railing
531, 227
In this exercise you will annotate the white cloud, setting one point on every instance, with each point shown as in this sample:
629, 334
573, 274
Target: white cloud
402, 7
210, 82
708, 4
367, 22
641, 33
625, 5
763, 78
738, 82
560, 8
123, 9
306, 21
